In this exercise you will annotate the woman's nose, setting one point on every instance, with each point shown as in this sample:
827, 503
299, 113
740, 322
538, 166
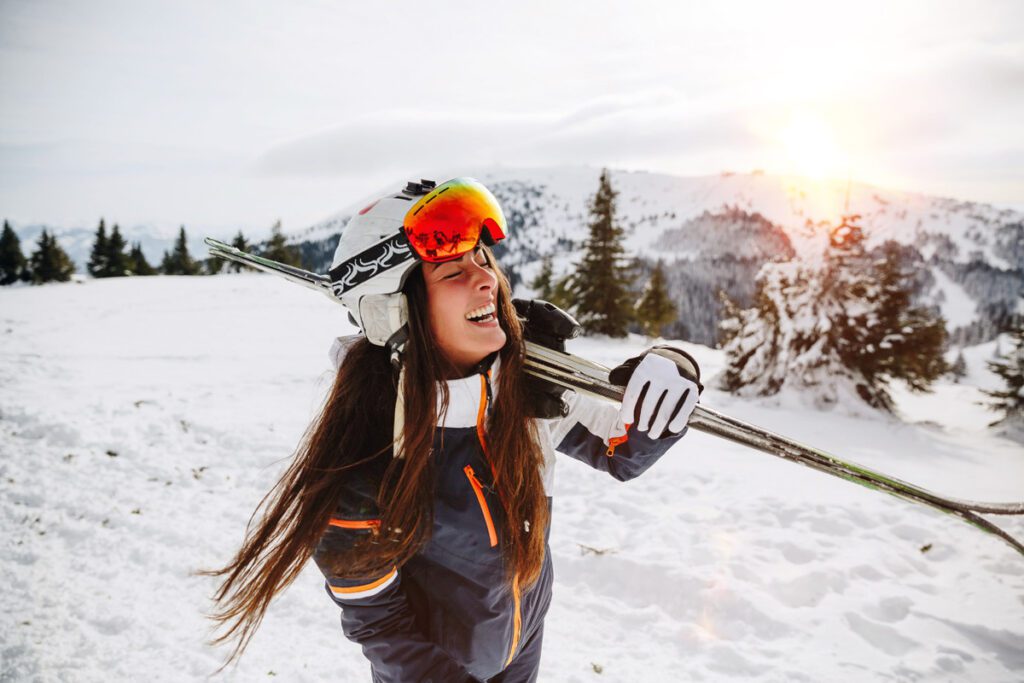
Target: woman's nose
483, 277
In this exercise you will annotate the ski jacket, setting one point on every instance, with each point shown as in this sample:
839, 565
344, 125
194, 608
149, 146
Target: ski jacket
449, 614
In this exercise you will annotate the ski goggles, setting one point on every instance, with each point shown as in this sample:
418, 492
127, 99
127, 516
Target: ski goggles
451, 219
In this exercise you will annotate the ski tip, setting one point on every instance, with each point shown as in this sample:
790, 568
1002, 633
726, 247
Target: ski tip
210, 242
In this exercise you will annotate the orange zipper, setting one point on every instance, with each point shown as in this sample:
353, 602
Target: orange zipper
615, 441
478, 489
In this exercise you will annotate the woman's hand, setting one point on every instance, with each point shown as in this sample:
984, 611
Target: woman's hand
662, 389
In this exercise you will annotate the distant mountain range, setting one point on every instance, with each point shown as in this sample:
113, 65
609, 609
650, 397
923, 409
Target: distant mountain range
714, 233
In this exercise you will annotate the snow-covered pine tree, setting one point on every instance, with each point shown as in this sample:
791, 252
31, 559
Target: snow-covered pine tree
600, 285
730, 321
179, 261
278, 249
137, 262
12, 261
840, 332
901, 341
116, 262
655, 309
780, 338
1009, 401
97, 266
49, 262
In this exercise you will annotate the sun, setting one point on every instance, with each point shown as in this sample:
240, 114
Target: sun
811, 148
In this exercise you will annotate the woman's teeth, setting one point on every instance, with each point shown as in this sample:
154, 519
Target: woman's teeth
482, 314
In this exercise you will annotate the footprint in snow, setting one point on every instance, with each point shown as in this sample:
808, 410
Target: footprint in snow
890, 610
866, 572
797, 555
879, 636
808, 590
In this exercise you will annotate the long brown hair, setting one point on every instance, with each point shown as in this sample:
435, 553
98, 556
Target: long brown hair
353, 428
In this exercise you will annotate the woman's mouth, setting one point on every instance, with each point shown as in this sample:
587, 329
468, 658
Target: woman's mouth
484, 315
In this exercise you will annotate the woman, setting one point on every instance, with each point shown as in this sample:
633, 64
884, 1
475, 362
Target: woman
422, 489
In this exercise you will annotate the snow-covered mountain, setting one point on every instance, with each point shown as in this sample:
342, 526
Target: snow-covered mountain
714, 232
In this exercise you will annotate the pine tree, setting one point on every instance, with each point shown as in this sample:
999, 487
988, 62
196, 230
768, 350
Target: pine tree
213, 265
137, 263
600, 285
900, 341
1010, 367
49, 262
97, 266
12, 261
179, 261
241, 244
842, 331
278, 250
117, 263
654, 310
543, 284
729, 322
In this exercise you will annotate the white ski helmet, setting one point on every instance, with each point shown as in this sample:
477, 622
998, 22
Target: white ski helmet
374, 257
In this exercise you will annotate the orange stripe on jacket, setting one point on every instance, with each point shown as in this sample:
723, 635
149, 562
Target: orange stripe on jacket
481, 413
342, 590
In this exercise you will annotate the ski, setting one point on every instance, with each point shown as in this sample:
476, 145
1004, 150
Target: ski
585, 376
591, 378
320, 283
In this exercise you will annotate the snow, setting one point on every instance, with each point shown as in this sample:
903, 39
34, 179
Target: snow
142, 419
957, 306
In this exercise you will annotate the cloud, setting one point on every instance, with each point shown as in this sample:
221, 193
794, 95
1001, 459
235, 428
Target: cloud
605, 131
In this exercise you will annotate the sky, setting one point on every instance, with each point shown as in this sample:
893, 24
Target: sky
236, 114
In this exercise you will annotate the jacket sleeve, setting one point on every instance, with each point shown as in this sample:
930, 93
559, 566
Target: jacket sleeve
593, 433
375, 613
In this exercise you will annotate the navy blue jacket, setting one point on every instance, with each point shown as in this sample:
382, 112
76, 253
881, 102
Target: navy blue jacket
449, 614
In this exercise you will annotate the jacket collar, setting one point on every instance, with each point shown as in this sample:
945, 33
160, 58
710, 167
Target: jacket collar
466, 394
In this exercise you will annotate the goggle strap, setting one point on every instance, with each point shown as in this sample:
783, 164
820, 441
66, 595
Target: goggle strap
370, 263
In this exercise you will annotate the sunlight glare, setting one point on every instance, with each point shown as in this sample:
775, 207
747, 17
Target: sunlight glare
811, 148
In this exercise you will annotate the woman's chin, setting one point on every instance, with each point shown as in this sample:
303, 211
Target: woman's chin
489, 335
497, 342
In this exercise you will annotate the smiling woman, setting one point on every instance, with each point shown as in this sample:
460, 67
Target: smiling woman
422, 490
460, 302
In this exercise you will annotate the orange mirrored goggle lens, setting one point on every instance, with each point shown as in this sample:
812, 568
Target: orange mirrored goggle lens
450, 220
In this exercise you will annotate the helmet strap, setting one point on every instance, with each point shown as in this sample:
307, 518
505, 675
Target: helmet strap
396, 346
398, 426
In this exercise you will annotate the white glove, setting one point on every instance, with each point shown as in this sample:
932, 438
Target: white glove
669, 399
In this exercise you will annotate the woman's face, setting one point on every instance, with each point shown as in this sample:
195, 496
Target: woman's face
461, 300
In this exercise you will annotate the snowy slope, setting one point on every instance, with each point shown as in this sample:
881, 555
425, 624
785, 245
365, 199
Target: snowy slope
141, 420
